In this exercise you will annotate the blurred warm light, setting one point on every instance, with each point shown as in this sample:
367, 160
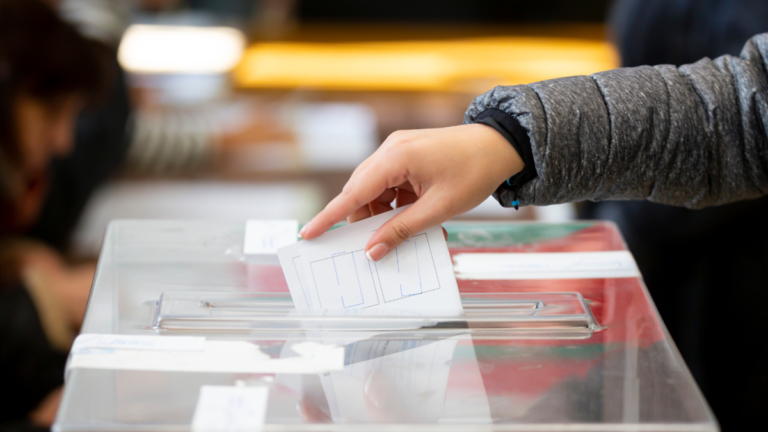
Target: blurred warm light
180, 49
469, 65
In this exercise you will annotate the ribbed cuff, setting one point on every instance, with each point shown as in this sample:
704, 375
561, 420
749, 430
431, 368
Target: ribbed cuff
510, 128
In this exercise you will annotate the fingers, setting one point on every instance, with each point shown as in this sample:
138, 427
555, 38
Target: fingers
379, 208
363, 212
380, 205
312, 412
405, 196
361, 189
383, 203
423, 214
382, 170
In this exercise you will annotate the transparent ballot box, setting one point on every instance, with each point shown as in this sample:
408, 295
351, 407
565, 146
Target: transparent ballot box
557, 333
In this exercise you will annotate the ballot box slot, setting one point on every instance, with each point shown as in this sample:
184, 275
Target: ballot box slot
284, 303
483, 315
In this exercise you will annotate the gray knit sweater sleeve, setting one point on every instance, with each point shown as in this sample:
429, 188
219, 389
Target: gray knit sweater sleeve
693, 136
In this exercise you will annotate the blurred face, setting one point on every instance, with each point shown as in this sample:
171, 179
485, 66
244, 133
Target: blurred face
44, 130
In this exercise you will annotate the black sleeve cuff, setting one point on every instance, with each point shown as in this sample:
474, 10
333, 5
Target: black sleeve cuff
510, 128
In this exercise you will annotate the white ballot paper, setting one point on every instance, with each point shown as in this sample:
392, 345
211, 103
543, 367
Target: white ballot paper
293, 269
332, 271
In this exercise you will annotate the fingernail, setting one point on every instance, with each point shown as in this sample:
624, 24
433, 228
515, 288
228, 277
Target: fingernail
303, 231
377, 252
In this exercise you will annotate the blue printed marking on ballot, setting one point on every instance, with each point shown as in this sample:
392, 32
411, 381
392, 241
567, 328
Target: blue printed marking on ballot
418, 270
359, 285
333, 259
418, 267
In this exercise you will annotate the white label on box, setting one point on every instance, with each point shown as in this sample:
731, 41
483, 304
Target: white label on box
138, 342
230, 409
567, 265
264, 237
216, 356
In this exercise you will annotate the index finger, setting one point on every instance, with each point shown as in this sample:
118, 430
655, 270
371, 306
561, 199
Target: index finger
361, 189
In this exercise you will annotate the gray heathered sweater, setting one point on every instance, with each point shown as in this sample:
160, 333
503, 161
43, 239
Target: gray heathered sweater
693, 136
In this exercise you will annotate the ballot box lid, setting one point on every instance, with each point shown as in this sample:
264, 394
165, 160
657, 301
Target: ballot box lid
557, 333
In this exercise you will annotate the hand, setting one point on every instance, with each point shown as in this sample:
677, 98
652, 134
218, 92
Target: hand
443, 172
45, 413
38, 264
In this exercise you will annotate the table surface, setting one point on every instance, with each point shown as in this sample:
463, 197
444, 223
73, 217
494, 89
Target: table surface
624, 376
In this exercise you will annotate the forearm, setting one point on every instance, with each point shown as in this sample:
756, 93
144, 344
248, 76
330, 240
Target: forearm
693, 136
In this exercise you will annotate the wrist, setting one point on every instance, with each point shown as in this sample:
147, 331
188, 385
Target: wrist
507, 162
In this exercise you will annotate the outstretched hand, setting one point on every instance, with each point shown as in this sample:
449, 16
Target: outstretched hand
442, 172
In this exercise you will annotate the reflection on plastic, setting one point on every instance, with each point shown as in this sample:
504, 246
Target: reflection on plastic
388, 381
230, 409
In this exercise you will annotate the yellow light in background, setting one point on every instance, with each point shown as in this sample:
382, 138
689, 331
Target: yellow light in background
465, 65
180, 49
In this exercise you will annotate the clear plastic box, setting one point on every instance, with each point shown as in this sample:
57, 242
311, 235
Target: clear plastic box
523, 355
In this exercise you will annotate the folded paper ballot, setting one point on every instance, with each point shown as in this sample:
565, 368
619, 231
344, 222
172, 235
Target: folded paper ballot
332, 271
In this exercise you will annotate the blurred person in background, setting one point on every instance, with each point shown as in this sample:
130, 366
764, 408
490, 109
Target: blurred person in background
48, 74
700, 266
179, 123
101, 135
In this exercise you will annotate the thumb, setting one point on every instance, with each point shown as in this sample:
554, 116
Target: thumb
421, 215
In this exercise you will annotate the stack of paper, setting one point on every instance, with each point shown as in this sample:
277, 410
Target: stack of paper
333, 272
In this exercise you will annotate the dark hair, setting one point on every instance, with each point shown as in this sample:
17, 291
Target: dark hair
43, 57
